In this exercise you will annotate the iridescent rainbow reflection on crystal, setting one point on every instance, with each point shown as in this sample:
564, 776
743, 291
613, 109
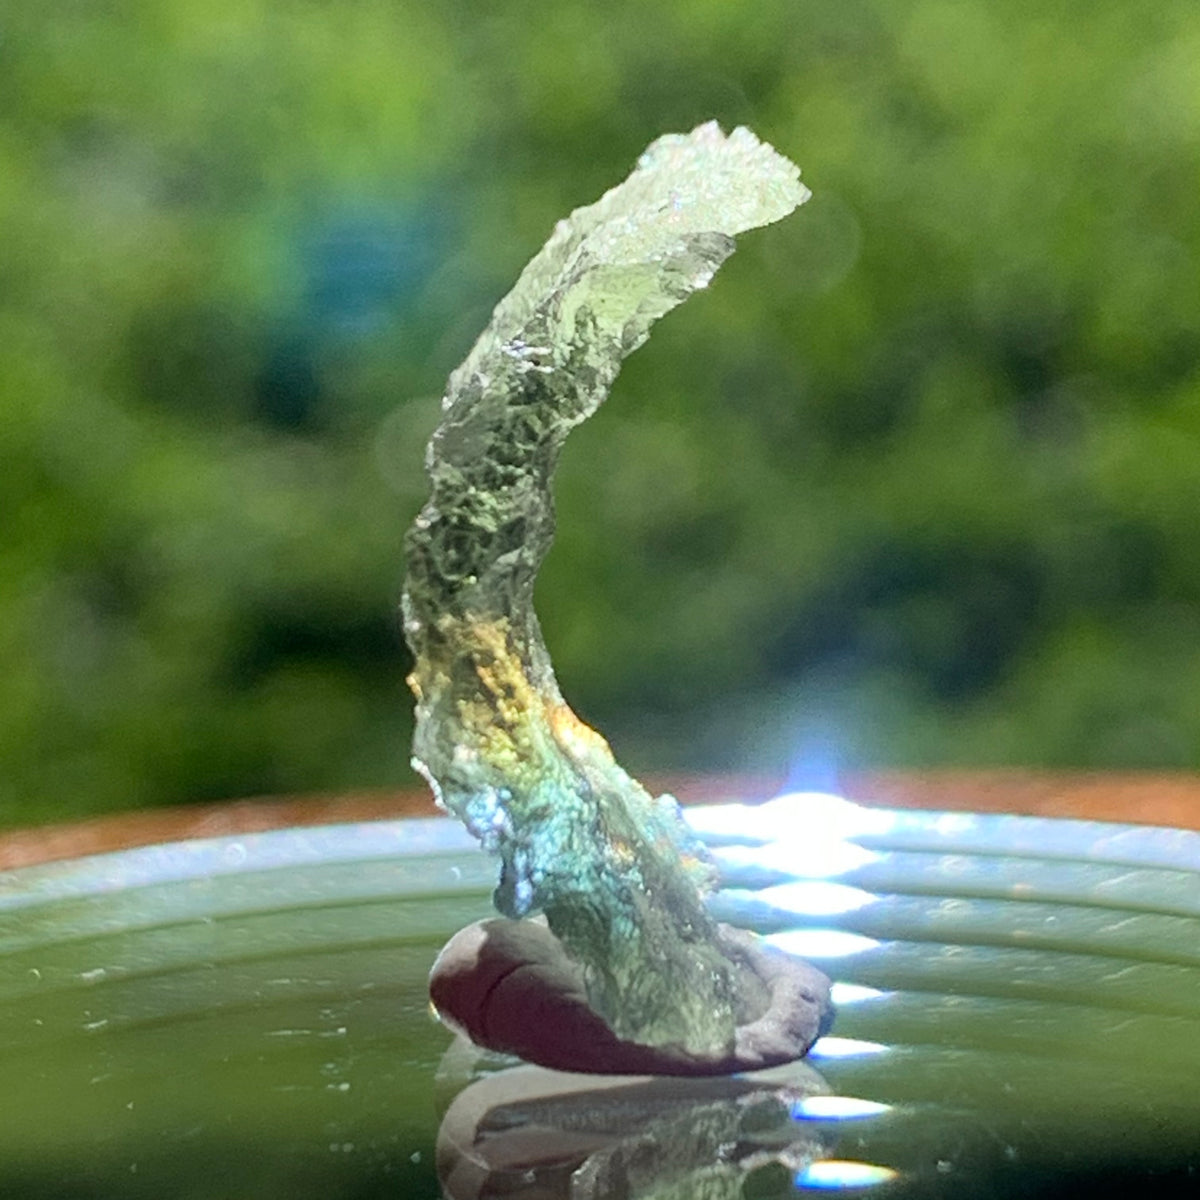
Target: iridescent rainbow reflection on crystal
613, 870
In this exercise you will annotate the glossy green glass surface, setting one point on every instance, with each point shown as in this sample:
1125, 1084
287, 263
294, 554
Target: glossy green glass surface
246, 1017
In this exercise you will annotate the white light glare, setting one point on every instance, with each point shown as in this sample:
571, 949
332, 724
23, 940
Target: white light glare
819, 813
813, 858
816, 898
839, 1047
837, 1108
844, 994
833, 1174
821, 943
801, 815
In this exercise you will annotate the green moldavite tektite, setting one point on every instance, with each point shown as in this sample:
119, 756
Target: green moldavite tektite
614, 869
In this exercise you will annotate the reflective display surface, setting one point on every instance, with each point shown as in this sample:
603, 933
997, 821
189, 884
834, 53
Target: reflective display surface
246, 1017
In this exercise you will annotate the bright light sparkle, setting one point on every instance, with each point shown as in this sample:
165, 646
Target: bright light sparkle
816, 898
836, 1174
837, 1108
843, 994
810, 859
822, 943
799, 815
839, 1047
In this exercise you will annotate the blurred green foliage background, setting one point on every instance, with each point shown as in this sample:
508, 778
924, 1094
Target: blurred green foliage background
915, 483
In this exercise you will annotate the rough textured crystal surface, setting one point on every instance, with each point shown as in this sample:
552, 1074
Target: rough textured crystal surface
617, 875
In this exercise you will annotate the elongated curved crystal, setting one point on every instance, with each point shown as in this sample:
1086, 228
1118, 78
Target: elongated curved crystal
615, 872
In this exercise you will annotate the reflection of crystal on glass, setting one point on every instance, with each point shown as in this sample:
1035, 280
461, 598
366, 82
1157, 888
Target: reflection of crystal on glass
544, 1134
616, 873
